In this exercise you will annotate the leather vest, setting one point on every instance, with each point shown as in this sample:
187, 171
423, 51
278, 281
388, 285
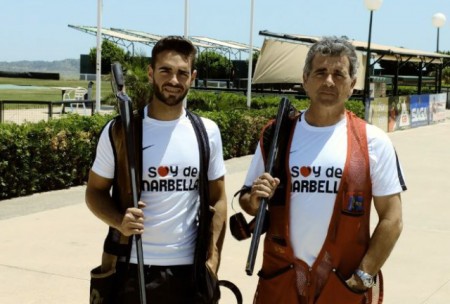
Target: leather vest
287, 279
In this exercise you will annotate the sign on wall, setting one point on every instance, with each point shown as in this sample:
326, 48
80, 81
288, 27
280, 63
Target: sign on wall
437, 107
376, 114
420, 105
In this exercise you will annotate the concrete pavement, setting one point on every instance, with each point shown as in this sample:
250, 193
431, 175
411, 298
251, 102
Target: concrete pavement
50, 241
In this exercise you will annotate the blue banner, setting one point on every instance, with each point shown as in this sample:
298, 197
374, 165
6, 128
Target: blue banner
420, 114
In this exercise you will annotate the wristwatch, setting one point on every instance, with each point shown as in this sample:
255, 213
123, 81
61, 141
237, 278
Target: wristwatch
367, 279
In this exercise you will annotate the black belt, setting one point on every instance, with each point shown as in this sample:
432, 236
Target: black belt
157, 268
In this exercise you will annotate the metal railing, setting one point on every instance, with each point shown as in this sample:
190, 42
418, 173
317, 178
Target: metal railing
19, 111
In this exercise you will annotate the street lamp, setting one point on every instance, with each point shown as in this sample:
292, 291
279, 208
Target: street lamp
438, 22
371, 5
98, 70
250, 57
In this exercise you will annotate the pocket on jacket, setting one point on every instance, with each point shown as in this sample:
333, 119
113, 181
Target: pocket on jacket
337, 291
277, 287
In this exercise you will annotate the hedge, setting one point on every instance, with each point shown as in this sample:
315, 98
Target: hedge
44, 156
38, 157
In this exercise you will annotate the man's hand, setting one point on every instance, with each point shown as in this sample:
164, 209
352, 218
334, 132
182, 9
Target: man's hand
263, 186
133, 221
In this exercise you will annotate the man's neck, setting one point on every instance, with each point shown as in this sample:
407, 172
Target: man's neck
323, 117
160, 111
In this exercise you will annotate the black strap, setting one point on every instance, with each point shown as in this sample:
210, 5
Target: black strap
234, 289
204, 213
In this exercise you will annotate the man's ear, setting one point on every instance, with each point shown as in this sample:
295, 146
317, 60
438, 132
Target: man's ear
305, 80
353, 83
352, 86
193, 75
150, 73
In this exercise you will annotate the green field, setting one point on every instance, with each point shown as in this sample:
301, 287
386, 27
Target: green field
47, 89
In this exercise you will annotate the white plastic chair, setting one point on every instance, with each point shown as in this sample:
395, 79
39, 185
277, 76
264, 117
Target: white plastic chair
79, 94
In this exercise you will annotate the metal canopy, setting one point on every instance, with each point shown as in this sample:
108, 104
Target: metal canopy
127, 38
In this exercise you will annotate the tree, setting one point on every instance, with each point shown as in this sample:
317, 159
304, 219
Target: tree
110, 53
137, 84
212, 65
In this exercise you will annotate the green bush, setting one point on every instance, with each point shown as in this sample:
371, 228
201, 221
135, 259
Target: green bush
37, 157
239, 130
44, 156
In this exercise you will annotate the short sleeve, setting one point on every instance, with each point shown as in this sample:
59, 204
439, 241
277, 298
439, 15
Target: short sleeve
385, 169
104, 158
256, 167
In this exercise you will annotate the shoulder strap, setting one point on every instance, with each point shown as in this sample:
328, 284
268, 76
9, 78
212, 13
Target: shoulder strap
204, 151
202, 139
204, 216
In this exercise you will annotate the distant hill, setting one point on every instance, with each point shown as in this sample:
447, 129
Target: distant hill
67, 68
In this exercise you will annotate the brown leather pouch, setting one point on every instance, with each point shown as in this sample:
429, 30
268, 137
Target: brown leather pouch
242, 230
103, 286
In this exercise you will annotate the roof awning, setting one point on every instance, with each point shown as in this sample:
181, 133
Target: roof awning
282, 58
391, 53
283, 62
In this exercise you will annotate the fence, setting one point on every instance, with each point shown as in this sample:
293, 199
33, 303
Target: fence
18, 111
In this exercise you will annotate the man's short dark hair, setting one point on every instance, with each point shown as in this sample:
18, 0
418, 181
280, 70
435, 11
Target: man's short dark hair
178, 44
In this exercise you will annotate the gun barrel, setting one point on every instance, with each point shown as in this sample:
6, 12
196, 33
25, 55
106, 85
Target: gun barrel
282, 115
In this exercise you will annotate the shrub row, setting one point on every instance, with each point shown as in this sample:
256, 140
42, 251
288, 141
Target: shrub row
38, 157
44, 156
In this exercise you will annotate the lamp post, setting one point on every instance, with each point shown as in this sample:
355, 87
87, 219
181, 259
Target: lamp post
371, 5
98, 71
438, 20
186, 34
250, 57
186, 19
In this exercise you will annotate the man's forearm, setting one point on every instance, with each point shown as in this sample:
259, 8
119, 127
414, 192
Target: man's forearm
103, 207
218, 226
245, 201
381, 244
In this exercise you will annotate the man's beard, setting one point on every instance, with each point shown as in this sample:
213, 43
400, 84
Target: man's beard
170, 101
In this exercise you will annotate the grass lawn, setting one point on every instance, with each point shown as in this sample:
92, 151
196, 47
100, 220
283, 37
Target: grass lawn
47, 90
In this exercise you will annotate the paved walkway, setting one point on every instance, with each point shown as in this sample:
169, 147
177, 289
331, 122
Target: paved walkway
50, 241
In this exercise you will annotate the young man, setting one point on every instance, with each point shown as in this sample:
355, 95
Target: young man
318, 247
168, 213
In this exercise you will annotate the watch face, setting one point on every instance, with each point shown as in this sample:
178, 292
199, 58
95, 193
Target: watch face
368, 282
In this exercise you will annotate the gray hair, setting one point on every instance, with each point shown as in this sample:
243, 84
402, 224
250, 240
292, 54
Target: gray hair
332, 46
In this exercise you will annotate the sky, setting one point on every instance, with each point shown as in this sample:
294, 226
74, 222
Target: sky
38, 30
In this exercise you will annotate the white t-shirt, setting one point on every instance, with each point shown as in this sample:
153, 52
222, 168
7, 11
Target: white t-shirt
170, 185
316, 162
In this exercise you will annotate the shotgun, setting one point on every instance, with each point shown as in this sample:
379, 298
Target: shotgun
284, 109
126, 113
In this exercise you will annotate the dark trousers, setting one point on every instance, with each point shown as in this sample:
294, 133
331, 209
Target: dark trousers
163, 284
